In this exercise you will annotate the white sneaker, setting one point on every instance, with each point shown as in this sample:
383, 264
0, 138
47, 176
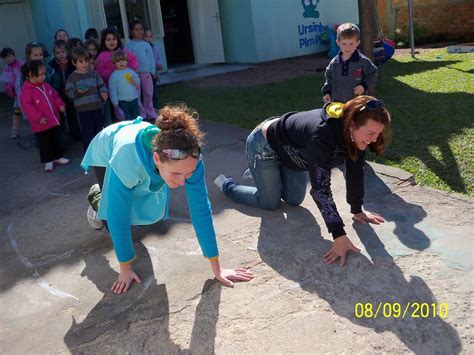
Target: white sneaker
247, 176
62, 161
220, 180
49, 167
94, 222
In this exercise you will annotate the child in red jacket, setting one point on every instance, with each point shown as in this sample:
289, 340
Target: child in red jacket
41, 105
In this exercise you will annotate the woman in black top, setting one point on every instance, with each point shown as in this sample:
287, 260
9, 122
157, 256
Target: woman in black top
280, 150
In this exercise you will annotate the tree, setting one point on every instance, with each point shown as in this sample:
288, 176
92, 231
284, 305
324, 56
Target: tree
368, 30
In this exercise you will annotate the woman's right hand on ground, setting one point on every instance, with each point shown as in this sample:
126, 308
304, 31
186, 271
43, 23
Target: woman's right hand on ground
341, 246
125, 279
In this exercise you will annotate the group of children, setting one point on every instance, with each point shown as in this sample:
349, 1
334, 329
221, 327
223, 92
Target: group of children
83, 88
86, 87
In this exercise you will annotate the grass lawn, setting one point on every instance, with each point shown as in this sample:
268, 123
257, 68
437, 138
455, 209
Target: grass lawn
431, 100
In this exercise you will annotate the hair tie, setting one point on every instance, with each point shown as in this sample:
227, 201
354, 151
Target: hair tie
147, 136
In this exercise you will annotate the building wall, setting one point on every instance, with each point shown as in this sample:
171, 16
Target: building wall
51, 15
262, 30
446, 18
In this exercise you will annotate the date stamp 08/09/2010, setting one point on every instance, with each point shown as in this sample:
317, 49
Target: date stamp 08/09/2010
397, 310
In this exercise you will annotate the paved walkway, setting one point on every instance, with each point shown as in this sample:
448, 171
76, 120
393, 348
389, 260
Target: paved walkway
56, 272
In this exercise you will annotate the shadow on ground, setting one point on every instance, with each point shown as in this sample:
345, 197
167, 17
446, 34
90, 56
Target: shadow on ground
138, 321
290, 242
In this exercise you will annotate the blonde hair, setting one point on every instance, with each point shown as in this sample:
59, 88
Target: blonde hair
348, 30
119, 55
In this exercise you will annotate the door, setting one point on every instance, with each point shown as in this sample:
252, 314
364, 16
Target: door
177, 31
206, 31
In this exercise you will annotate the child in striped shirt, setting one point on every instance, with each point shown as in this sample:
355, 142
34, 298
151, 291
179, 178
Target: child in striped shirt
87, 89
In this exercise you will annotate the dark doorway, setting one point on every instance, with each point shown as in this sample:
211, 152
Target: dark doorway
178, 41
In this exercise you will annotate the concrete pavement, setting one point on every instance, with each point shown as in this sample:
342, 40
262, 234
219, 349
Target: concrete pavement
56, 272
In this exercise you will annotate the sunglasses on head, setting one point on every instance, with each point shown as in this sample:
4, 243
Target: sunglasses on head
180, 154
373, 105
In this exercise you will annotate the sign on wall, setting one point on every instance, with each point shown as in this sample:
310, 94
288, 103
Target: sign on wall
311, 34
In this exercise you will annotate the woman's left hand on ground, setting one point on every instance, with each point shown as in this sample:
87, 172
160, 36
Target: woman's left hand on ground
368, 217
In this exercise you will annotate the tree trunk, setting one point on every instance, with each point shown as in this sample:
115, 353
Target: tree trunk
367, 28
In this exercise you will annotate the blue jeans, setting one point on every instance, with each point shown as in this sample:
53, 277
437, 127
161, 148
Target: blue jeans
273, 180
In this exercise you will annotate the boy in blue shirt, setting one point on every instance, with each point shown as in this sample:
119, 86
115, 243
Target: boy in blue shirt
350, 73
123, 86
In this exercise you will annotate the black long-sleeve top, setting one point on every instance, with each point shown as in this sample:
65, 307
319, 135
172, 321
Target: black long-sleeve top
313, 141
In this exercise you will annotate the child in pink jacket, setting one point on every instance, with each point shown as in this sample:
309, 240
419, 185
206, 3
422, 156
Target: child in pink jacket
41, 105
11, 77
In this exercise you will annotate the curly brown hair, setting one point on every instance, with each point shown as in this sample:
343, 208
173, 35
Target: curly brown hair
355, 117
179, 129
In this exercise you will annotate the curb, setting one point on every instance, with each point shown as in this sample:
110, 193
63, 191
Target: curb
406, 178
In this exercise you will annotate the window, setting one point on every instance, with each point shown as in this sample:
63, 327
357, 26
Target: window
119, 13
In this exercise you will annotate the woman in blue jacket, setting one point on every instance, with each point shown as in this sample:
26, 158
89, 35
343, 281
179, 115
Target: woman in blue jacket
136, 163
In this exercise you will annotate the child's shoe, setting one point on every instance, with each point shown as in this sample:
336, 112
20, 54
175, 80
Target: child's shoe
62, 161
94, 222
15, 134
48, 167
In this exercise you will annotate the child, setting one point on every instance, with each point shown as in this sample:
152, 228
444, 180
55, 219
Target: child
86, 88
62, 69
146, 65
156, 54
123, 85
41, 105
110, 42
34, 51
11, 77
74, 43
61, 35
350, 73
92, 47
91, 33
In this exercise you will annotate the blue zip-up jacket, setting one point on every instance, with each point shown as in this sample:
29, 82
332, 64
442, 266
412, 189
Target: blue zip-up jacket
135, 194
